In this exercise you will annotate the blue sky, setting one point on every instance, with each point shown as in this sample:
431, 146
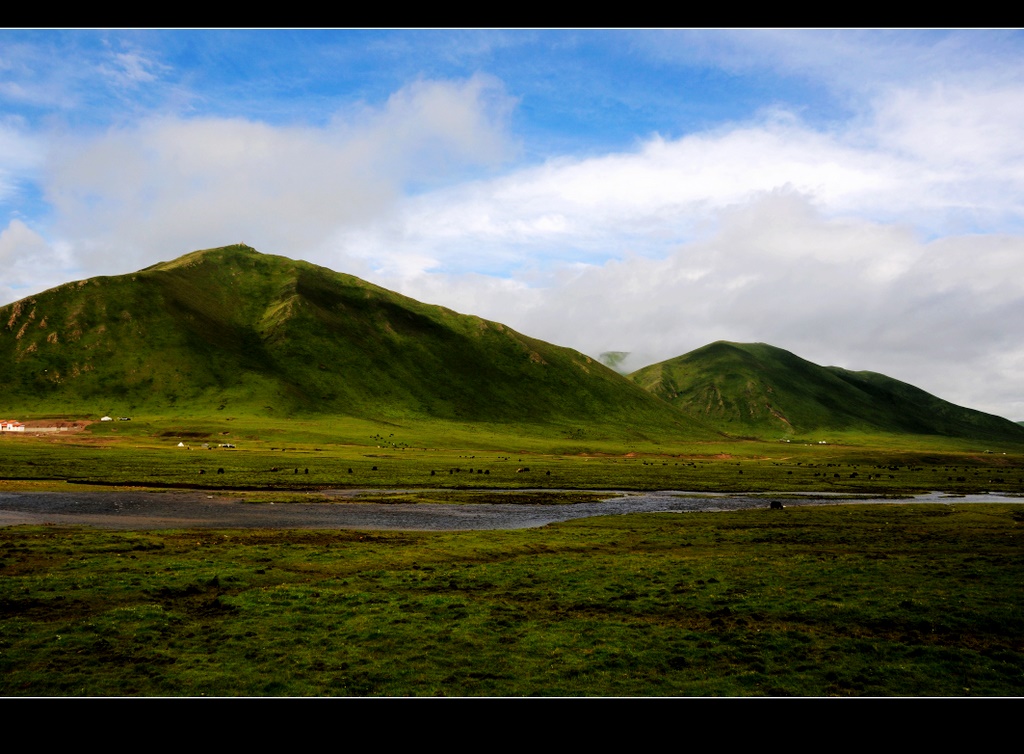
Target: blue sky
852, 196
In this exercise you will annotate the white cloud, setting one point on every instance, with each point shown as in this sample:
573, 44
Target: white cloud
649, 199
943, 158
814, 240
20, 155
153, 191
130, 69
438, 125
18, 241
841, 291
848, 61
954, 127
29, 263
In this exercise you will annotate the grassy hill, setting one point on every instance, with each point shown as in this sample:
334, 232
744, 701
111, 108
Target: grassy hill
758, 390
233, 330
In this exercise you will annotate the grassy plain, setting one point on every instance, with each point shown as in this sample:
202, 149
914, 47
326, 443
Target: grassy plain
915, 600
311, 455
909, 599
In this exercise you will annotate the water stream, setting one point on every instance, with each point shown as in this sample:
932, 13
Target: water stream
181, 510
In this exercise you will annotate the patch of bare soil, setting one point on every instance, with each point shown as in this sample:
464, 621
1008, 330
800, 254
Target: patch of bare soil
52, 426
58, 423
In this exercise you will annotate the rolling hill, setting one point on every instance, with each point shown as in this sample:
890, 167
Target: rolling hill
759, 390
234, 330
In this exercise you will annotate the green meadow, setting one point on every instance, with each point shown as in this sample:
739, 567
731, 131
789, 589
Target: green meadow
884, 599
275, 381
314, 454
879, 600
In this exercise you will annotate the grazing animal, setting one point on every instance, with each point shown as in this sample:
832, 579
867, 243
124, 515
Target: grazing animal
775, 504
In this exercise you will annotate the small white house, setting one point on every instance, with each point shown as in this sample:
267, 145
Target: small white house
106, 419
11, 426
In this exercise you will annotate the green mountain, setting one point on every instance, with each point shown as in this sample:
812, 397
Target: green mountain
247, 333
755, 389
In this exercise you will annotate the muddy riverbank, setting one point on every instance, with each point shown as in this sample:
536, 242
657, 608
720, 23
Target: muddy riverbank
187, 510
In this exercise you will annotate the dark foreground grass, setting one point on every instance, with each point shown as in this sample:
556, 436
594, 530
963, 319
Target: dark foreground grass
845, 600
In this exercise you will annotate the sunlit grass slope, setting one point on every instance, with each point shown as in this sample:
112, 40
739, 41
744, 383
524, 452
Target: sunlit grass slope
235, 331
759, 390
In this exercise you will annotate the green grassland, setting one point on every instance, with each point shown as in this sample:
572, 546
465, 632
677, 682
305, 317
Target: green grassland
315, 454
322, 381
913, 600
839, 600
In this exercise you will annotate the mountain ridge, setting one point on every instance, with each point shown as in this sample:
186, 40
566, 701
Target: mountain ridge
231, 329
759, 389
236, 330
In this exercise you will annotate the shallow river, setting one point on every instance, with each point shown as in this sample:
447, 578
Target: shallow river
184, 510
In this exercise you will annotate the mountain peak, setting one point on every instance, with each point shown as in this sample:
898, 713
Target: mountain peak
233, 329
760, 389
217, 253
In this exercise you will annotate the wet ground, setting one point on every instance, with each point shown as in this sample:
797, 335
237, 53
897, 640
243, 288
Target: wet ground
183, 510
